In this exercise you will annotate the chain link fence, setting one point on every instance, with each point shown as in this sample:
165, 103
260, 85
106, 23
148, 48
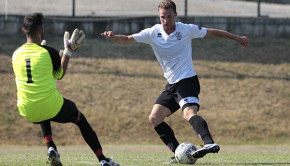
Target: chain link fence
142, 8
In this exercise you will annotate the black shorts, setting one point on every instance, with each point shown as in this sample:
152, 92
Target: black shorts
68, 113
181, 94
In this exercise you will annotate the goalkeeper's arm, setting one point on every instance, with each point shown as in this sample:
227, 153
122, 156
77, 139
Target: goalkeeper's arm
64, 62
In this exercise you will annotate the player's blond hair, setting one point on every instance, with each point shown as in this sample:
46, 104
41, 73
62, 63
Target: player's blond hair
167, 4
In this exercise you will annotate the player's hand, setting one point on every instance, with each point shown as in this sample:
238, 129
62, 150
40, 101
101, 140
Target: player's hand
244, 41
108, 34
60, 53
43, 42
71, 45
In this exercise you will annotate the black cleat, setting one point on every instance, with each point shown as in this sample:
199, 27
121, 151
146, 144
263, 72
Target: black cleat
208, 148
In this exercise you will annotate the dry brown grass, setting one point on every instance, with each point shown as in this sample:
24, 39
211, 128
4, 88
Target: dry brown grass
245, 94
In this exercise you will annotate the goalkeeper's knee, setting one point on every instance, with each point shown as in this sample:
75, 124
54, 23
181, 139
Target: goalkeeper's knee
80, 119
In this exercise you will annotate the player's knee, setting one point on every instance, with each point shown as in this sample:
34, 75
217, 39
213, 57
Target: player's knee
186, 117
152, 120
155, 120
188, 112
80, 118
158, 114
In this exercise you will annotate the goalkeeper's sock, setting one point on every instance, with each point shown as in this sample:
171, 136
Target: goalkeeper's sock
89, 134
49, 142
100, 155
200, 127
167, 136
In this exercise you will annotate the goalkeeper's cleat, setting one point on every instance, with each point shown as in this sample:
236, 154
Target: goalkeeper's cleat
109, 163
208, 148
53, 157
172, 161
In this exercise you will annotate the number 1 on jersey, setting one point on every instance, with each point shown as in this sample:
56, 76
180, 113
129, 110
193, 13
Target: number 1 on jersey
28, 69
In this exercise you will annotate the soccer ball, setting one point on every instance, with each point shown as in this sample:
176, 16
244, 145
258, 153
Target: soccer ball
182, 153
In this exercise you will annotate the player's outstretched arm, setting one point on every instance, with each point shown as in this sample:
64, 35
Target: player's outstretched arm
243, 40
119, 39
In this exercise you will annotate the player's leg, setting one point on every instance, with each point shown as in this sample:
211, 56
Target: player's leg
201, 128
47, 134
52, 153
164, 106
198, 124
164, 131
188, 91
90, 137
70, 113
166, 134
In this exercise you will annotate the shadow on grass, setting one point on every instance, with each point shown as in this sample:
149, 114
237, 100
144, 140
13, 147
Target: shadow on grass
237, 75
231, 74
228, 74
260, 50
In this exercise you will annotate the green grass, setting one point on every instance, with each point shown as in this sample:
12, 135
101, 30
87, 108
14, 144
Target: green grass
145, 155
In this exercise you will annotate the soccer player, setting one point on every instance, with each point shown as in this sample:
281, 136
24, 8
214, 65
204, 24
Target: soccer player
36, 67
171, 44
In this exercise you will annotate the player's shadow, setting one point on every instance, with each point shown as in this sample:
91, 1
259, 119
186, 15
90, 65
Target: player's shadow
235, 74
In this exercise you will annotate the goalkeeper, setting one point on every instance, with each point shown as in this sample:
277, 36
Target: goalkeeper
36, 67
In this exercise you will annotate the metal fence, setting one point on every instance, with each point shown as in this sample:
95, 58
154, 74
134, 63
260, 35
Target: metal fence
140, 8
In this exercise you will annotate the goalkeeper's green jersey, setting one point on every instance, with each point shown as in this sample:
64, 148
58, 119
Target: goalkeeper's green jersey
36, 67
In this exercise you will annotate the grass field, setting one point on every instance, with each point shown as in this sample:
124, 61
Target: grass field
142, 155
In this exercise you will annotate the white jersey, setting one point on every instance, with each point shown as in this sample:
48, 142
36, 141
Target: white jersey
173, 52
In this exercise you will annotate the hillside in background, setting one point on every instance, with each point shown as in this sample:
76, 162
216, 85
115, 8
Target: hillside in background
245, 93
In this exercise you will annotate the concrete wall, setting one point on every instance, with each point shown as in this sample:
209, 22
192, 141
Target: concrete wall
93, 27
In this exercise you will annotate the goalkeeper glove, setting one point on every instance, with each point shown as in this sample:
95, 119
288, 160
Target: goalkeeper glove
71, 45
43, 42
60, 52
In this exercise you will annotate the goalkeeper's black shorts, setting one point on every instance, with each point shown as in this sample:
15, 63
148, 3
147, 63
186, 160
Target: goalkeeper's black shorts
68, 113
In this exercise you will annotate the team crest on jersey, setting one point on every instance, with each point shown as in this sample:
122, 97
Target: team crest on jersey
159, 35
178, 35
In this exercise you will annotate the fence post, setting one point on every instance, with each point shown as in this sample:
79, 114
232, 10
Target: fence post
73, 8
185, 9
259, 8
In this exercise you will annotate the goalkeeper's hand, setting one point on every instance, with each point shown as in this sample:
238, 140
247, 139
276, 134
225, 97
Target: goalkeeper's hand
71, 45
43, 42
60, 53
